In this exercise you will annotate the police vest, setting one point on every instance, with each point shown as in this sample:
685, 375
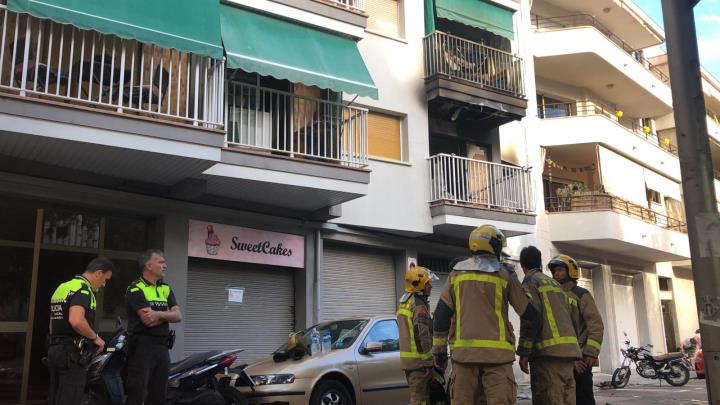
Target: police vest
59, 305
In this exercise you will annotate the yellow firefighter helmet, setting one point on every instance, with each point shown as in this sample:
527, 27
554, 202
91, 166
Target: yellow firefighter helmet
488, 239
566, 262
416, 278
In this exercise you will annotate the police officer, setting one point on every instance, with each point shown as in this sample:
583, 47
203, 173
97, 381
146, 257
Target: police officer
415, 325
72, 318
552, 348
473, 315
566, 271
151, 306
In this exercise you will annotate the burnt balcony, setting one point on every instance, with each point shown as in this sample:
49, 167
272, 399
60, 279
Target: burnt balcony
485, 83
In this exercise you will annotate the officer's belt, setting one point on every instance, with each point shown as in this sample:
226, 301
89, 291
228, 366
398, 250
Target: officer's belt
61, 340
141, 337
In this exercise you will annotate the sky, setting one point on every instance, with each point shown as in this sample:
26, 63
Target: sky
707, 24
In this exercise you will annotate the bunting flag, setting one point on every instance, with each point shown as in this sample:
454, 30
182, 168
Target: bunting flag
554, 165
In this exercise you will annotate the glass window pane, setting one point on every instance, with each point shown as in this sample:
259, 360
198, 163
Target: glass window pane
127, 234
17, 221
71, 228
12, 348
114, 291
15, 273
386, 333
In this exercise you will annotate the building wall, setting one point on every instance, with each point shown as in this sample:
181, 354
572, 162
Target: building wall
686, 313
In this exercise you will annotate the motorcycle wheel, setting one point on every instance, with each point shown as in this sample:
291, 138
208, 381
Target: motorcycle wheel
678, 375
621, 377
231, 395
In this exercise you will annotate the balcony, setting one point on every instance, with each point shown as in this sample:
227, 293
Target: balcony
465, 193
354, 5
593, 57
45, 61
609, 224
540, 24
462, 73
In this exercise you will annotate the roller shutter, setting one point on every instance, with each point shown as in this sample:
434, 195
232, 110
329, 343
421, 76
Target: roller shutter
356, 282
260, 324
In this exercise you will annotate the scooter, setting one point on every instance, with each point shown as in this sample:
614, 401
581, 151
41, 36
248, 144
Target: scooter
671, 367
201, 379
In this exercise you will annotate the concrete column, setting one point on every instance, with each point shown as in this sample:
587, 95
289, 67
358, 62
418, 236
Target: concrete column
401, 265
649, 310
306, 282
174, 244
603, 294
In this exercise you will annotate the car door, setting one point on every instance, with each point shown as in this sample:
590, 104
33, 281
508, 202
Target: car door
382, 381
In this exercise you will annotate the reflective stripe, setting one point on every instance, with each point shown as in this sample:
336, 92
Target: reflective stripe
550, 316
556, 341
548, 288
413, 353
525, 344
493, 344
500, 284
84, 292
594, 343
152, 293
572, 301
439, 341
134, 289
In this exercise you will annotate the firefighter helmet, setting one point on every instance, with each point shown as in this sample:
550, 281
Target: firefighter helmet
416, 278
488, 239
566, 262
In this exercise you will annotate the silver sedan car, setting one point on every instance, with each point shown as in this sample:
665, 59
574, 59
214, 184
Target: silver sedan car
362, 367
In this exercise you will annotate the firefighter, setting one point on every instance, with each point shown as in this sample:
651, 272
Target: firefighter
553, 348
590, 325
151, 307
415, 325
472, 316
72, 322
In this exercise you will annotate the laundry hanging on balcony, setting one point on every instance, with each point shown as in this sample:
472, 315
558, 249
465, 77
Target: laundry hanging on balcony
475, 13
186, 25
273, 47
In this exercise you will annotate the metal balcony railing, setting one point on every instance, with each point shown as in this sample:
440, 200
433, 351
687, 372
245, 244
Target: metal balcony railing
464, 181
607, 202
43, 59
585, 20
357, 5
487, 67
586, 108
295, 125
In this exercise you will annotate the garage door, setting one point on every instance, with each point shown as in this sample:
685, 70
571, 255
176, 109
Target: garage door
356, 282
437, 289
260, 324
625, 314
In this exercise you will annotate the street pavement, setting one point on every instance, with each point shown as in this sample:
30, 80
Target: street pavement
638, 391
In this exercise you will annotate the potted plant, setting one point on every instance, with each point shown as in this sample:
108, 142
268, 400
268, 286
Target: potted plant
569, 196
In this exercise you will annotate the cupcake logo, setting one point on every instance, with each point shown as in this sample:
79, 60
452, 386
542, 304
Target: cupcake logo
212, 243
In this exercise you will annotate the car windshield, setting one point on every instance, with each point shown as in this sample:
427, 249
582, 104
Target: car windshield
342, 333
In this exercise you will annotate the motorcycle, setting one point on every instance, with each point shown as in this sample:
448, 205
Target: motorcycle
192, 381
671, 367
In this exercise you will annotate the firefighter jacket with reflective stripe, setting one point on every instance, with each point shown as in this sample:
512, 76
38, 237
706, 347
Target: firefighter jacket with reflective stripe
589, 322
415, 324
556, 335
474, 304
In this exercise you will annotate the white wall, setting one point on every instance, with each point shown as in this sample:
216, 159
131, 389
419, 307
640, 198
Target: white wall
684, 300
398, 192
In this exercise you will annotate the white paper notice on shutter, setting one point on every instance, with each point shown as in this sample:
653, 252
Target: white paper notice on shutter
236, 295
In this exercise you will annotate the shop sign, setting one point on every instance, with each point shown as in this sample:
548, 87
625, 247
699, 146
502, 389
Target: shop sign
224, 242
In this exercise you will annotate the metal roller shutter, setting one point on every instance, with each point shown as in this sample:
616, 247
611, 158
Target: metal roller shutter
437, 290
260, 324
356, 282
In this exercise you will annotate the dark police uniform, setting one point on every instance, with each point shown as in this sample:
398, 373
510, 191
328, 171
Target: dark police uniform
67, 375
148, 359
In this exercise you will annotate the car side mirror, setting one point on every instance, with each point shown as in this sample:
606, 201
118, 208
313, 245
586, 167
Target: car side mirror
371, 347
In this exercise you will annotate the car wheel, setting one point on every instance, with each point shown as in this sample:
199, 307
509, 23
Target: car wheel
331, 392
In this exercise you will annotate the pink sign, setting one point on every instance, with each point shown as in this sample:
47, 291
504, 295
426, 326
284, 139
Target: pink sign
234, 243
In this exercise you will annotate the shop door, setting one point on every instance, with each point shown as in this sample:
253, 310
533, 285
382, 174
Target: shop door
625, 315
356, 282
259, 324
17, 251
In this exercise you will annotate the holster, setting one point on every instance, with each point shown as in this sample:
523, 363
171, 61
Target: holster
85, 351
171, 339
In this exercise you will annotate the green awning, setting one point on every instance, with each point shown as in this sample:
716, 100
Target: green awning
186, 25
274, 47
477, 13
429, 17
